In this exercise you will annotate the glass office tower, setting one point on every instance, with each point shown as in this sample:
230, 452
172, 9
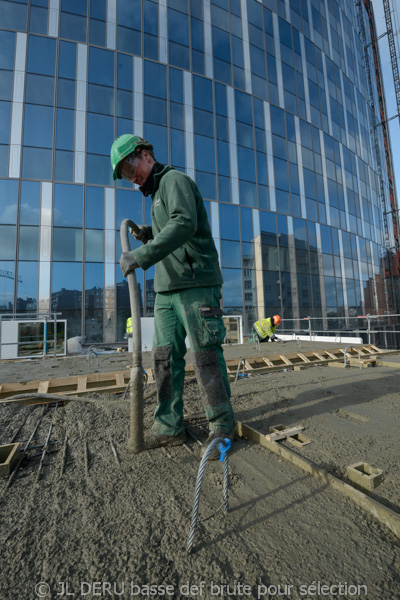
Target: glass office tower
264, 103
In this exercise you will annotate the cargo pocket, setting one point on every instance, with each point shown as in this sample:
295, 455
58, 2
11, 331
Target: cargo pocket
212, 326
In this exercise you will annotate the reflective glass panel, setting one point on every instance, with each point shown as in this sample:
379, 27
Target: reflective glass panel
5, 120
37, 163
29, 203
68, 205
13, 16
230, 254
65, 129
98, 169
64, 165
8, 201
7, 285
38, 126
27, 286
232, 290
41, 55
7, 46
7, 246
155, 79
100, 134
101, 67
66, 93
28, 243
229, 221
67, 245
95, 207
6, 85
39, 89
67, 60
94, 245
73, 27
129, 206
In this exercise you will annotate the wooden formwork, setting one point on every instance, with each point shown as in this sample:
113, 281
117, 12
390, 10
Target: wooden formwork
115, 382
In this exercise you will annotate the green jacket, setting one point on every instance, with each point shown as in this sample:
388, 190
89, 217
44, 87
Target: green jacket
180, 242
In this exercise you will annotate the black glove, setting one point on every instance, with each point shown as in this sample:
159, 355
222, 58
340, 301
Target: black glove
140, 235
127, 263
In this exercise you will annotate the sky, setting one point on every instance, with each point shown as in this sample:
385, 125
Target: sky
391, 105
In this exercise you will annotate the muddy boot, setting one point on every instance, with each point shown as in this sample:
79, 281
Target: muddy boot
160, 441
215, 453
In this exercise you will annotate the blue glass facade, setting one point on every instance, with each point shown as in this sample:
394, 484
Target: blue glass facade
263, 103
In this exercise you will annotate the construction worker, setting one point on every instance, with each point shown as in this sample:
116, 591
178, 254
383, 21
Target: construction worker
187, 283
265, 329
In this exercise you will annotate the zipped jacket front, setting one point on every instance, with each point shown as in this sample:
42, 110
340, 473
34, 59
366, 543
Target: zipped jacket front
180, 243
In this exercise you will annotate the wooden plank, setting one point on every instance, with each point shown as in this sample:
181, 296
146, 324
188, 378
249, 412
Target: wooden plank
119, 379
82, 384
268, 362
319, 356
248, 365
333, 356
286, 360
303, 357
43, 387
281, 435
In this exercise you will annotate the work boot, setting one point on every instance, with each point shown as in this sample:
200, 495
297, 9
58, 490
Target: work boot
160, 441
215, 453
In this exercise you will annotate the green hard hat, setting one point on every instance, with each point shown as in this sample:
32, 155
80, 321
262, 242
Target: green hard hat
122, 147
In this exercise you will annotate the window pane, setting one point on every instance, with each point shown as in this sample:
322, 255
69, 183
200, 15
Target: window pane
95, 207
98, 169
8, 201
64, 165
39, 89
66, 93
6, 85
28, 243
94, 245
38, 20
232, 290
68, 205
7, 46
65, 129
101, 67
100, 133
5, 120
38, 126
13, 16
7, 246
30, 203
7, 286
67, 245
41, 55
36, 163
230, 254
229, 222
73, 27
67, 60
27, 290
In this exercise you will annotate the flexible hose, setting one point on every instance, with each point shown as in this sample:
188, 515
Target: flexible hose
226, 444
136, 440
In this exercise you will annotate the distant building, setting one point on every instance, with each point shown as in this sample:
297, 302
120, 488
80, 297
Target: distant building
263, 102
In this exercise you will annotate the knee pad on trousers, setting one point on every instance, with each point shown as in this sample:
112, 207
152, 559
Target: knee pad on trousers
162, 371
209, 376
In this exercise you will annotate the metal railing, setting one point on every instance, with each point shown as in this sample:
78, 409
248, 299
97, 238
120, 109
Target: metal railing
37, 317
380, 330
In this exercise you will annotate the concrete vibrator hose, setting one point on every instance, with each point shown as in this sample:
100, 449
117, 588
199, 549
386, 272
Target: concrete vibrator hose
136, 440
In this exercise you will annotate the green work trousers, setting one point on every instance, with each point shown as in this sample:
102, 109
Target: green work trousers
177, 315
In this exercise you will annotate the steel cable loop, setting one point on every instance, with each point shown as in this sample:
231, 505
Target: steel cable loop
199, 480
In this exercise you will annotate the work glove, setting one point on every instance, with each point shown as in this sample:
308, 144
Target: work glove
127, 263
140, 235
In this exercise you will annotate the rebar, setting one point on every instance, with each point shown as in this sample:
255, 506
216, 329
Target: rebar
224, 445
358, 352
241, 362
46, 444
11, 478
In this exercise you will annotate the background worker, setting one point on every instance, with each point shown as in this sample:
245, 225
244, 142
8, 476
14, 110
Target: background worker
188, 291
265, 329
